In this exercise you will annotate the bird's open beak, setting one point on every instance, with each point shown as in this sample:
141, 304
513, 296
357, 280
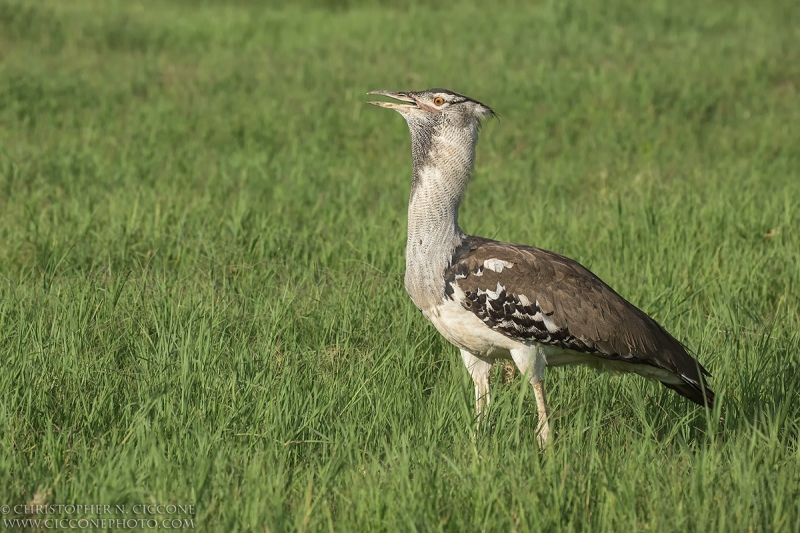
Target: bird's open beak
403, 97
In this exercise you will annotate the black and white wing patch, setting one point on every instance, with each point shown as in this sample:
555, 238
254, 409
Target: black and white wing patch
513, 313
517, 317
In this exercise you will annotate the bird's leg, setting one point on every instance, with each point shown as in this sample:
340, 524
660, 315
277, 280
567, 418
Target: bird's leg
479, 370
543, 427
531, 362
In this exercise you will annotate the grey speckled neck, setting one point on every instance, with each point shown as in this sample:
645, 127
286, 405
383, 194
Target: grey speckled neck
443, 157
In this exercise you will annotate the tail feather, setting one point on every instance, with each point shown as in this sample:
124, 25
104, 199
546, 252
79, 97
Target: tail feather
696, 392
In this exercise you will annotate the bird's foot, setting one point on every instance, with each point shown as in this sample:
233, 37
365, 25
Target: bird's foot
543, 434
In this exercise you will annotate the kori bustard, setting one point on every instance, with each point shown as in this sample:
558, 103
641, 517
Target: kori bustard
495, 300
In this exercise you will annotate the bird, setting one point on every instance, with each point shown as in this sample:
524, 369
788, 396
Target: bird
499, 301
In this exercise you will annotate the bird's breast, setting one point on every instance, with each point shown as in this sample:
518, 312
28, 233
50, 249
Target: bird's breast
467, 332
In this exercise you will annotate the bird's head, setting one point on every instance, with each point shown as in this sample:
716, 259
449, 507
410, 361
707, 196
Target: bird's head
434, 109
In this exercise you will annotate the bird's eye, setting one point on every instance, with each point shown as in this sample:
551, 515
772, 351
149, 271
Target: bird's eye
438, 101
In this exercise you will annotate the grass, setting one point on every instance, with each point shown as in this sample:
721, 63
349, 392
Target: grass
201, 259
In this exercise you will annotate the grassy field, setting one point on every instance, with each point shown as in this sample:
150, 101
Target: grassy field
201, 257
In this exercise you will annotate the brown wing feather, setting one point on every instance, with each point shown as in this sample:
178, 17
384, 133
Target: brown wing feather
551, 299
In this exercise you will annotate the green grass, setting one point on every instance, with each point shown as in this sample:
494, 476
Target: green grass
201, 259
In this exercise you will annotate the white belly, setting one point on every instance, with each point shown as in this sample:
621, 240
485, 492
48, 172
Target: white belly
468, 332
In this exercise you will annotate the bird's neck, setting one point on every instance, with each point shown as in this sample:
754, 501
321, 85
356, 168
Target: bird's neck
441, 171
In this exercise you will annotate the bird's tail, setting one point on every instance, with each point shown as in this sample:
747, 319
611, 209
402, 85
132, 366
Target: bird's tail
698, 392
